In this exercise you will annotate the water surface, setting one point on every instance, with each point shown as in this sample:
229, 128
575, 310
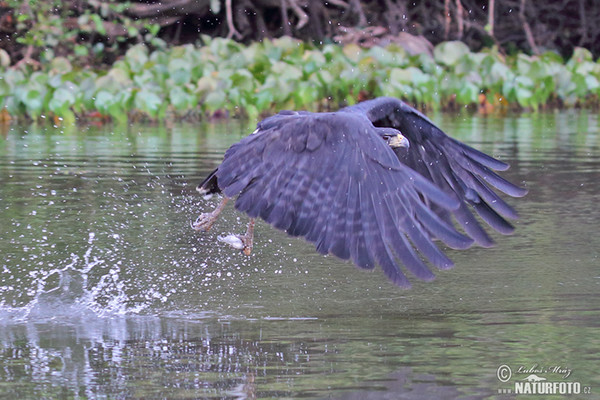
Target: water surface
106, 291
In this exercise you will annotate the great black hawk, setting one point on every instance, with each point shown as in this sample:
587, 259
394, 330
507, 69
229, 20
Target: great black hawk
376, 183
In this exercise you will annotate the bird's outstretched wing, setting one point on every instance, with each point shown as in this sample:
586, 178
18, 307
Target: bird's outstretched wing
330, 178
451, 165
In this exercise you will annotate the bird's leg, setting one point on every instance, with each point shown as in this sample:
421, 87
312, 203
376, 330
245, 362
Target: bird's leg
206, 220
248, 238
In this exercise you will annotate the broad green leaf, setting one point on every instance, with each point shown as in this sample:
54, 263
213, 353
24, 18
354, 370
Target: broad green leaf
34, 101
263, 99
136, 57
353, 52
4, 59
180, 99
468, 93
206, 84
592, 83
148, 101
524, 96
581, 54
286, 71
215, 101
60, 65
103, 101
61, 100
179, 71
4, 88
449, 53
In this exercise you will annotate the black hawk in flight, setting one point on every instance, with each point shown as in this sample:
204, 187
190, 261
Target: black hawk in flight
377, 183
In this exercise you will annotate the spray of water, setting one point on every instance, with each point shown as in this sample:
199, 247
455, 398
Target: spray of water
69, 292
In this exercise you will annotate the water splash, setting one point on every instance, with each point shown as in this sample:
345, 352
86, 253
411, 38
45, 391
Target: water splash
70, 292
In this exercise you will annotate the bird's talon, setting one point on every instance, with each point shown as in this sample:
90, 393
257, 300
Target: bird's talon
247, 247
204, 222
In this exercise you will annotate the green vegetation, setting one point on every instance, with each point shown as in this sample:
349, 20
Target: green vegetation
230, 78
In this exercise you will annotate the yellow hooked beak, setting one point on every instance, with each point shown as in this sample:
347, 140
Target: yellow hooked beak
398, 141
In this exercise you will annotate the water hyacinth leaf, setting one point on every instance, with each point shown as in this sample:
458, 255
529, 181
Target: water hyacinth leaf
467, 64
115, 81
103, 101
537, 71
38, 78
206, 84
5, 88
581, 54
263, 99
55, 81
13, 76
180, 99
176, 65
468, 93
12, 104
314, 56
551, 57
118, 108
180, 76
243, 80
4, 59
325, 77
350, 75
580, 88
251, 53
215, 101
498, 73
564, 83
586, 67
66, 117
178, 58
61, 100
286, 71
388, 58
136, 57
120, 66
148, 102
305, 95
401, 76
34, 101
425, 62
285, 89
86, 92
144, 78
449, 53
289, 44
352, 52
524, 63
159, 57
524, 96
80, 50
591, 82
235, 98
524, 81
60, 65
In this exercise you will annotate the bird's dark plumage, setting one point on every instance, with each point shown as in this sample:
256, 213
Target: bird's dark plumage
333, 179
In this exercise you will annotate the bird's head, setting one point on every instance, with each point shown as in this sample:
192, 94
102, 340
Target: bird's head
393, 137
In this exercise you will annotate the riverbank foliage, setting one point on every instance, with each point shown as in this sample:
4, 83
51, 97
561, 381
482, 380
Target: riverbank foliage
224, 77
